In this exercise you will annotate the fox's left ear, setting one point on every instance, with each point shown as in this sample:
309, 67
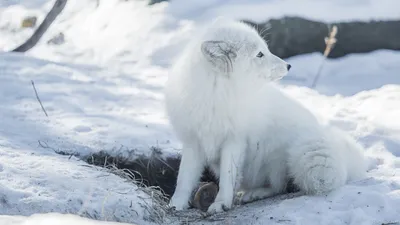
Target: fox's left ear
220, 54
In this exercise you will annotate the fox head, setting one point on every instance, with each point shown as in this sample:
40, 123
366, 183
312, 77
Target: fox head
237, 51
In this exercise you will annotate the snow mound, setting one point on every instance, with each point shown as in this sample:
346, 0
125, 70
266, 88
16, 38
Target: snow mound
114, 32
33, 177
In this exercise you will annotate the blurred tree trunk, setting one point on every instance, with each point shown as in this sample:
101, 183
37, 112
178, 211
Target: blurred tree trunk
290, 36
48, 20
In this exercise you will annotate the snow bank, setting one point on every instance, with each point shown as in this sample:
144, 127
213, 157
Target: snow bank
90, 108
346, 75
116, 32
33, 178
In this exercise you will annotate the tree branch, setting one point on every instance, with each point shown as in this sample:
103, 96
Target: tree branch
48, 20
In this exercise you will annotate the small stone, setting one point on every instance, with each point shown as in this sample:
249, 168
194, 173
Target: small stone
29, 21
57, 40
204, 196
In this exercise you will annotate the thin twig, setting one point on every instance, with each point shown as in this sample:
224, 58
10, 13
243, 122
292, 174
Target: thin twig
37, 96
44, 145
330, 43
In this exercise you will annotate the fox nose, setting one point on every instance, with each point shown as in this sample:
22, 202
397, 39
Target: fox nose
288, 67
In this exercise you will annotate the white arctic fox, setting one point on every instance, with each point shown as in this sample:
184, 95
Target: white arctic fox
225, 109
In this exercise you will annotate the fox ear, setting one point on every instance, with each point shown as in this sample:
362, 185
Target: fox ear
220, 54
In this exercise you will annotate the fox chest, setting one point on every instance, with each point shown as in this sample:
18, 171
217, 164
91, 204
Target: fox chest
211, 126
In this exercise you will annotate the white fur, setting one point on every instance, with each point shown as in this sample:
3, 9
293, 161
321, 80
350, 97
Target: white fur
231, 117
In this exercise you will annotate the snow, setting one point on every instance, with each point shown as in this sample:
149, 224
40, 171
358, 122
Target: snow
82, 103
40, 182
102, 90
53, 219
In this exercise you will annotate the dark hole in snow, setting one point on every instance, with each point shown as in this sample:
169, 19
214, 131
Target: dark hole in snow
152, 170
155, 169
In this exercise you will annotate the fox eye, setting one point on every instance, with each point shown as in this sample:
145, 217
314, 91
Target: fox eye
260, 54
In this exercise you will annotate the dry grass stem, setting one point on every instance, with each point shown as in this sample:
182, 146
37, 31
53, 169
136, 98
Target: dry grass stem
37, 97
156, 204
330, 43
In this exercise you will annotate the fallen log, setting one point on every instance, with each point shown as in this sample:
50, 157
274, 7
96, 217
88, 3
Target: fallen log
291, 36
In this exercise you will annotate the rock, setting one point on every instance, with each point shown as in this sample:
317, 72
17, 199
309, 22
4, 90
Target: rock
204, 195
29, 21
57, 40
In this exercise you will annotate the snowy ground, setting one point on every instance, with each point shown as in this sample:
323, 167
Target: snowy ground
102, 89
